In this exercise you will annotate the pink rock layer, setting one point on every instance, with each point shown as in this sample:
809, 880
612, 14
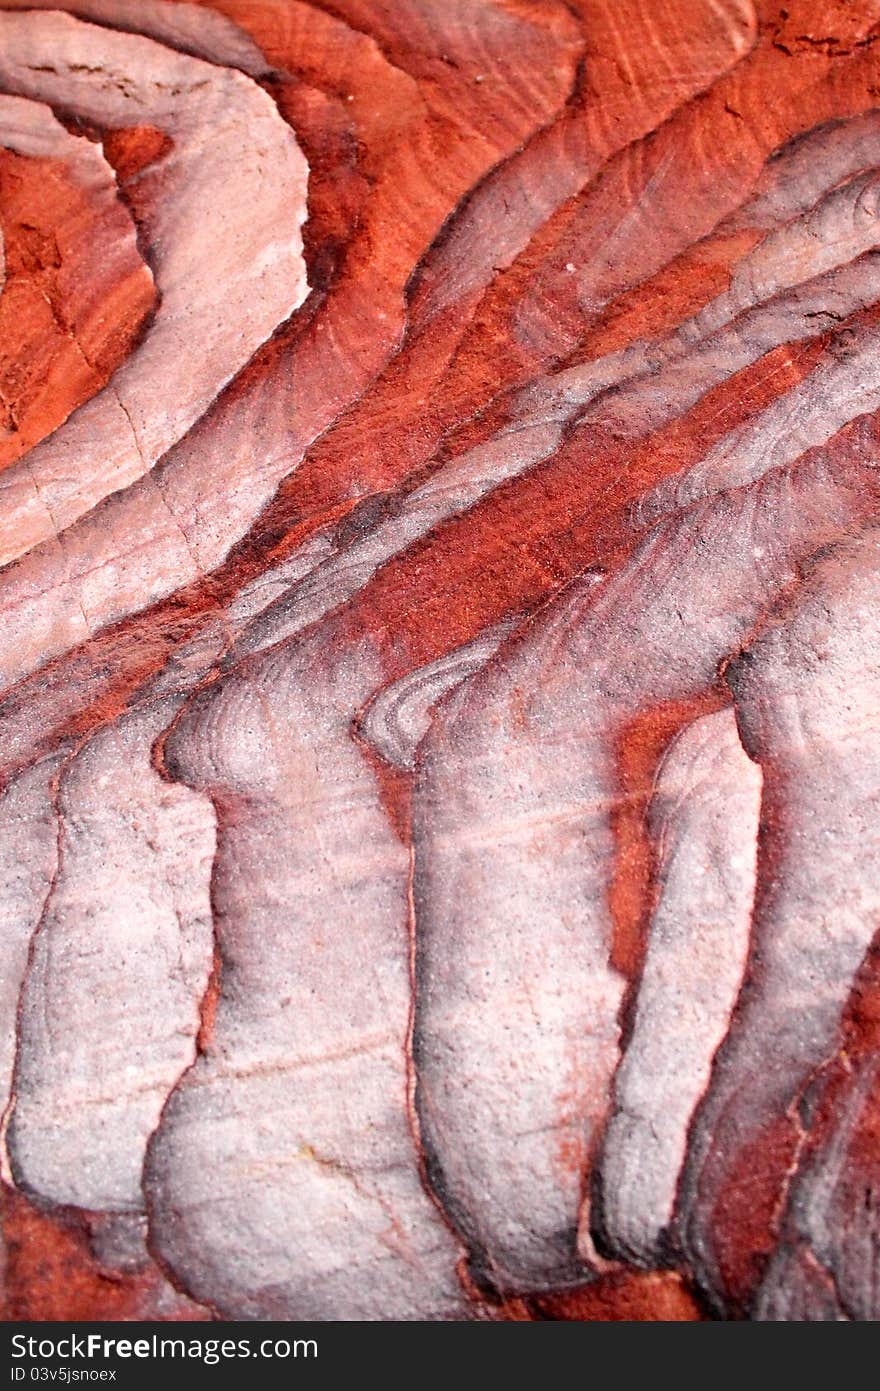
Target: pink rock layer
437, 661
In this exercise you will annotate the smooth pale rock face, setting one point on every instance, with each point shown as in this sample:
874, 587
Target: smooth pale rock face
516, 1005
128, 918
28, 864
399, 921
283, 1180
704, 824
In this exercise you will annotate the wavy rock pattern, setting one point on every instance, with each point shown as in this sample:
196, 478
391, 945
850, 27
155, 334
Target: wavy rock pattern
128, 916
438, 661
225, 280
76, 292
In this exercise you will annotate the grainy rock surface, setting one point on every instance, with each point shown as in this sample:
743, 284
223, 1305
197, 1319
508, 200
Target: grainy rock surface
439, 683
